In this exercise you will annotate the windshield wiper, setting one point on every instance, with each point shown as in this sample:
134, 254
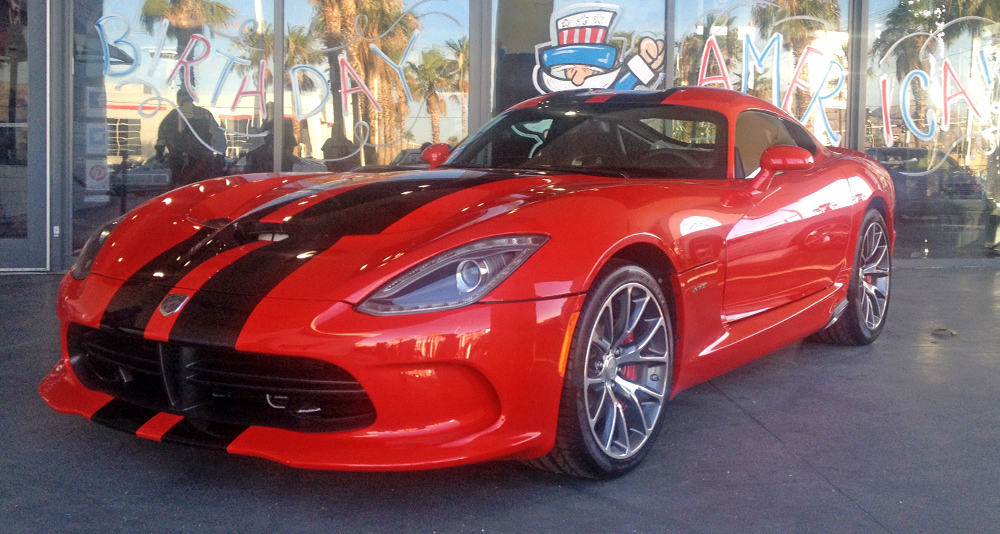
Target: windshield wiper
568, 169
481, 167
588, 170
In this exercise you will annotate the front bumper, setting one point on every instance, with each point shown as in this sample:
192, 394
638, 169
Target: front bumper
454, 387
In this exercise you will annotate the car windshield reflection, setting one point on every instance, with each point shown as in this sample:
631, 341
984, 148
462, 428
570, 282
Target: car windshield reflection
627, 140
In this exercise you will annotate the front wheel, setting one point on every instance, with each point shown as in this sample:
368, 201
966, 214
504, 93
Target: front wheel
617, 378
868, 295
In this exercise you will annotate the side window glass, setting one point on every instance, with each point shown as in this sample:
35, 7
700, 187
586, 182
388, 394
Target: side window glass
799, 135
755, 133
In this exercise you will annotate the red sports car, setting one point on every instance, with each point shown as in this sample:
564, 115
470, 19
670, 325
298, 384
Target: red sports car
539, 295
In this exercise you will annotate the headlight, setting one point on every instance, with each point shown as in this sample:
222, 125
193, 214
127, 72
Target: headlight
455, 278
93, 245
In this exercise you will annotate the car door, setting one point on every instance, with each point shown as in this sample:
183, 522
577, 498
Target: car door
792, 241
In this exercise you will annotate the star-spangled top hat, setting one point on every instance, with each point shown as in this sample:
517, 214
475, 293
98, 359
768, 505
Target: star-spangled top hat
581, 40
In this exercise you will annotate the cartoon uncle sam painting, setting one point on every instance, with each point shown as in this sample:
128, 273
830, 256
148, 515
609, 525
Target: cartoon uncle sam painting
579, 56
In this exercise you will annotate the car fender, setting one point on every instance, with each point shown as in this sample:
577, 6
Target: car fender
689, 232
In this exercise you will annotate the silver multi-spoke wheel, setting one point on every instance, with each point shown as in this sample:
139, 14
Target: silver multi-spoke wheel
627, 370
874, 274
618, 375
861, 321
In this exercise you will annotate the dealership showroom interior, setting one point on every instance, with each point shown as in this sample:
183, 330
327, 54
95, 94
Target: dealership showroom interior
500, 265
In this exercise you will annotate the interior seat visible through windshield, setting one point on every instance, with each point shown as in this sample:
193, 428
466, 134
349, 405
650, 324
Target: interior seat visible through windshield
659, 141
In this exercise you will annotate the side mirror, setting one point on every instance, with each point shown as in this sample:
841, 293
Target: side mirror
435, 155
781, 158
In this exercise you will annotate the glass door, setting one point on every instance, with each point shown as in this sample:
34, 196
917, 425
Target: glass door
22, 128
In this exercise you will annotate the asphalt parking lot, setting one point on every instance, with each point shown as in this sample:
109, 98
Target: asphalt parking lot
900, 436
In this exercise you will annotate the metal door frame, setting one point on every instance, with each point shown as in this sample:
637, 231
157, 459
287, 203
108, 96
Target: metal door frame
32, 253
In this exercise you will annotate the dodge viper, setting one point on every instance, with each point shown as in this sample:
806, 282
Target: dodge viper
538, 294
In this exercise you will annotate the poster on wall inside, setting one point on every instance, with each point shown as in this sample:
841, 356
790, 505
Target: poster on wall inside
96, 103
97, 180
97, 139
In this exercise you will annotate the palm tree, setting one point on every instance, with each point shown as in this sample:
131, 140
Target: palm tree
186, 18
797, 32
459, 48
693, 45
917, 21
386, 25
427, 80
300, 49
335, 21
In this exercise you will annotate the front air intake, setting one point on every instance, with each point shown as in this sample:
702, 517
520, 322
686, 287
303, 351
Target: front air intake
220, 385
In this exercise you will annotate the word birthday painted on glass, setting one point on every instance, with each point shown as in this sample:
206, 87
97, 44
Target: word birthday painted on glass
114, 30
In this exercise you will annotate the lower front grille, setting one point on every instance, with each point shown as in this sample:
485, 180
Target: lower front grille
220, 385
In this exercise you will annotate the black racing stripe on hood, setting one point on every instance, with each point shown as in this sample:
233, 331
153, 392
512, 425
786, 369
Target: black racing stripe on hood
123, 416
271, 206
570, 96
580, 96
136, 300
204, 434
668, 93
642, 97
217, 312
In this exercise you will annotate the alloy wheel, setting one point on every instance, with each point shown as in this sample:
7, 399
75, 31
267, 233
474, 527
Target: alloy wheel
874, 274
627, 374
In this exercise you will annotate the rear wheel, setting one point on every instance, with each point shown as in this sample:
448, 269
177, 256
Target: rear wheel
868, 295
617, 379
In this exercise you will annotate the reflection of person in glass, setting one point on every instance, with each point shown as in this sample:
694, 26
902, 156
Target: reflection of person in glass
340, 155
261, 159
189, 142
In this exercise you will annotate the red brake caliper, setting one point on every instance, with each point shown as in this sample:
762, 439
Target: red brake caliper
629, 372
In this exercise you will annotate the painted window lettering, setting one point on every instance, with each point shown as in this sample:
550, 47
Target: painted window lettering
227, 66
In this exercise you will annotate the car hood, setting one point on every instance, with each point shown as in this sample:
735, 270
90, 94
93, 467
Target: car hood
326, 236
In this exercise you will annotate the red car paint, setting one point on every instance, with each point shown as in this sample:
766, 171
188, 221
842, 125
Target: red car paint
750, 269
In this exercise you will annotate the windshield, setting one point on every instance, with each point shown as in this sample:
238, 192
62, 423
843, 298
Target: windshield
626, 140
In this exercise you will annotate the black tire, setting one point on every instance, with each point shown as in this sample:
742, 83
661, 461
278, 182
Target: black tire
614, 390
868, 295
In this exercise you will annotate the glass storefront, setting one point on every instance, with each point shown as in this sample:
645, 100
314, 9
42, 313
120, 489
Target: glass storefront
546, 46
792, 54
169, 91
402, 71
932, 109
166, 93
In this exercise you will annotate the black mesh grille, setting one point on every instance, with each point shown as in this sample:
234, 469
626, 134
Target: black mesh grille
220, 385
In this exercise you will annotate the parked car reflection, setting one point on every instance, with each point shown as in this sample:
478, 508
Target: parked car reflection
408, 159
942, 212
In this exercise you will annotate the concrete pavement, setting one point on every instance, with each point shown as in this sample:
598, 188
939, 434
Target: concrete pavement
900, 436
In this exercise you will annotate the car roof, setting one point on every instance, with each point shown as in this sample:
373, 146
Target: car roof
724, 100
